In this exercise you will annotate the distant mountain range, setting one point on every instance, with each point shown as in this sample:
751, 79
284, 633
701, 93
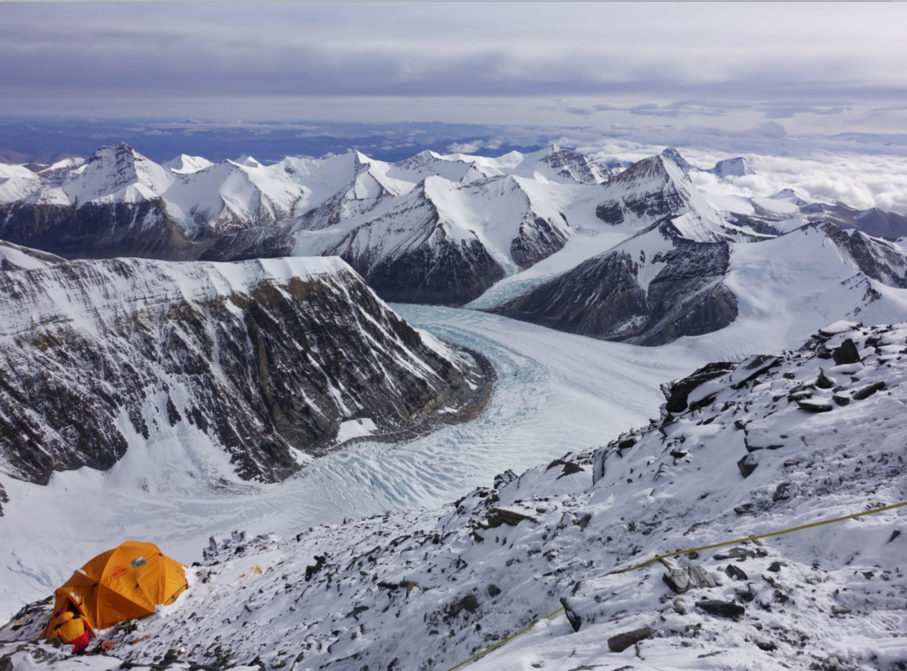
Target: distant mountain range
635, 254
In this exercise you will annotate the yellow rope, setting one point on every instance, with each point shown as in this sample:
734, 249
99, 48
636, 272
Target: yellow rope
681, 552
773, 533
509, 638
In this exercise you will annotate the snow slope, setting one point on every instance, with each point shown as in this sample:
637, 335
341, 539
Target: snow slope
741, 453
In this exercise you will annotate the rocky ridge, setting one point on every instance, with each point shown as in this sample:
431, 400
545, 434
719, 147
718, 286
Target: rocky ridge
262, 362
422, 590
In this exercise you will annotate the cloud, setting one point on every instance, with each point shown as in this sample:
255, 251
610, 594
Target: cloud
673, 64
466, 147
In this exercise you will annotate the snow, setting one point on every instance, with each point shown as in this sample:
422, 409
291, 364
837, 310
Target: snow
355, 428
184, 165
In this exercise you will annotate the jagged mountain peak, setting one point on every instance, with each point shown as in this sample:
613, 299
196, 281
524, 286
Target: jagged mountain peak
653, 189
673, 154
118, 173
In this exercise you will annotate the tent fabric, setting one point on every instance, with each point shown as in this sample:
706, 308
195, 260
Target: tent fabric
125, 583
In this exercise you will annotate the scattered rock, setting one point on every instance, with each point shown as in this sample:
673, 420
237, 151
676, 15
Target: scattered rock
782, 492
767, 646
498, 516
677, 392
747, 465
623, 641
824, 381
814, 405
775, 567
493, 590
840, 610
468, 603
6, 663
738, 553
721, 608
502, 479
735, 572
894, 534
312, 570
840, 399
846, 353
685, 579
750, 368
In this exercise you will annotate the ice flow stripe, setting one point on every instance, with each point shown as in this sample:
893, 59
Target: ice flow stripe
681, 552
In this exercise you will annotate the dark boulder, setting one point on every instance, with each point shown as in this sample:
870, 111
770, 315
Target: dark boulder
824, 381
846, 353
623, 641
735, 572
747, 465
678, 392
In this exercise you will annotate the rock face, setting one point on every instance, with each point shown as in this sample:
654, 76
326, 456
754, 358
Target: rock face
264, 360
629, 295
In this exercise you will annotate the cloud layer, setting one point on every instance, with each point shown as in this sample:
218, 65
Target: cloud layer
603, 61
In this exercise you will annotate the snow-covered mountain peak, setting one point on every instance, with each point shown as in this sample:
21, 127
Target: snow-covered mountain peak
655, 188
184, 164
119, 173
427, 163
673, 154
247, 161
732, 167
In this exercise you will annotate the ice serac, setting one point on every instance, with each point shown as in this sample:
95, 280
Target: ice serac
650, 290
263, 360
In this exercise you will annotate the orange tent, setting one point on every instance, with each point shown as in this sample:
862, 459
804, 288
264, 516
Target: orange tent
121, 584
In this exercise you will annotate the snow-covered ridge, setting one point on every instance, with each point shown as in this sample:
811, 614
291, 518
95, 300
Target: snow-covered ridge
211, 371
773, 442
127, 287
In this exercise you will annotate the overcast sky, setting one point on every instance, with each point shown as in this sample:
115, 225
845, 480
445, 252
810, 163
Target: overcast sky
810, 67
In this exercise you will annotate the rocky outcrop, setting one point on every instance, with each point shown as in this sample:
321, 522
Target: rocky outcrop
444, 272
876, 259
607, 297
265, 360
537, 240
646, 190
100, 230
